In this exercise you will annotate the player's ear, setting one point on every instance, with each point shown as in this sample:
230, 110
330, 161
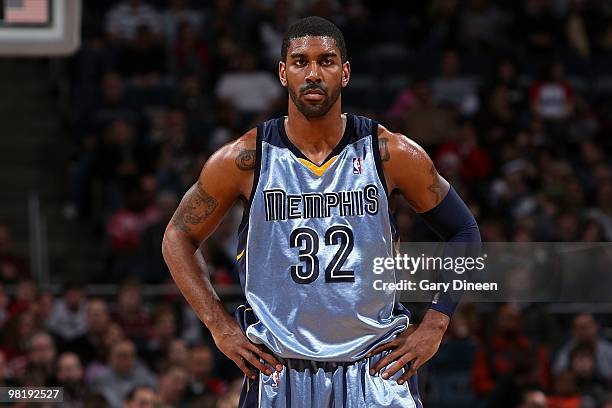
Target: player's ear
282, 73
346, 73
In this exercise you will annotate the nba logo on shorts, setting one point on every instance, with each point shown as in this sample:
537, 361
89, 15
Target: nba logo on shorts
357, 165
275, 378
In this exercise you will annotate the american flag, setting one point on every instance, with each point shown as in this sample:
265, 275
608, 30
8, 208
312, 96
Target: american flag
26, 11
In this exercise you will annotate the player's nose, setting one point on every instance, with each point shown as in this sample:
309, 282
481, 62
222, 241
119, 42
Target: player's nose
313, 74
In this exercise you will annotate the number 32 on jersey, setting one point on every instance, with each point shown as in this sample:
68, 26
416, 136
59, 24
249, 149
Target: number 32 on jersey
307, 240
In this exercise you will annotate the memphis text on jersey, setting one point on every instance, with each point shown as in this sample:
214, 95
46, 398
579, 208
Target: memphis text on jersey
282, 206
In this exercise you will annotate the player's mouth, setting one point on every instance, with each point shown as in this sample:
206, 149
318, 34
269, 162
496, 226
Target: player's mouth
314, 95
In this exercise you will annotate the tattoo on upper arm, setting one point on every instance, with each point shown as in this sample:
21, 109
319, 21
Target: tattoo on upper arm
195, 208
246, 160
435, 186
383, 146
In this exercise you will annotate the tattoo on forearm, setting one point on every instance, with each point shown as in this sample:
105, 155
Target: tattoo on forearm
384, 149
246, 160
435, 187
196, 207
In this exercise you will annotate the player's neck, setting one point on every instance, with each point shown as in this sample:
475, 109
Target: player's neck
316, 137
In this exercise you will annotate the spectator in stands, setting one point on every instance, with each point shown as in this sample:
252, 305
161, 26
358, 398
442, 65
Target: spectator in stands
26, 293
271, 31
425, 122
143, 60
131, 313
512, 192
180, 12
441, 24
191, 98
154, 269
552, 97
191, 53
534, 398
70, 377
537, 29
126, 225
12, 267
17, 334
117, 160
5, 377
251, 91
453, 89
565, 391
592, 231
507, 75
141, 396
474, 163
576, 29
41, 357
585, 332
113, 105
509, 352
203, 386
500, 113
172, 385
232, 397
483, 26
123, 20
68, 315
113, 336
90, 346
602, 211
44, 306
163, 331
591, 385
123, 373
178, 353
452, 363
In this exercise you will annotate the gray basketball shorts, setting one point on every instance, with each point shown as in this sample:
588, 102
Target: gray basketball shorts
310, 384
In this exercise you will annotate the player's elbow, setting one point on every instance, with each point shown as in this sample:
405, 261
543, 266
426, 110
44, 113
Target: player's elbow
172, 240
167, 242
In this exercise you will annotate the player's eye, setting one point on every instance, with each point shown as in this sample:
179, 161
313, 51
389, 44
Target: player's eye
327, 62
300, 62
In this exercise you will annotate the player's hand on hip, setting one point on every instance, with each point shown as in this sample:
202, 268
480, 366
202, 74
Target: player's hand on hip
414, 346
247, 356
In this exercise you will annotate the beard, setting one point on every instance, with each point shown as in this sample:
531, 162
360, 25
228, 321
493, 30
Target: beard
312, 111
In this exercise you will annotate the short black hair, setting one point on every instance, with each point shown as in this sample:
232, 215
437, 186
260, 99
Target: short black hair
316, 27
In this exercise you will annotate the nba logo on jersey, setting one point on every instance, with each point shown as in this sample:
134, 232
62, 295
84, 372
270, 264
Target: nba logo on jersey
357, 165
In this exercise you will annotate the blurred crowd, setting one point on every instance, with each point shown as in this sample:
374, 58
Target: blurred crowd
511, 99
117, 352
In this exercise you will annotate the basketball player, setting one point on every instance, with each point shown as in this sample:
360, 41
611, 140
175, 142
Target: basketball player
315, 188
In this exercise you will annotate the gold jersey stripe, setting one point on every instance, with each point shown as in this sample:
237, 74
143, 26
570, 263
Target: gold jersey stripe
318, 170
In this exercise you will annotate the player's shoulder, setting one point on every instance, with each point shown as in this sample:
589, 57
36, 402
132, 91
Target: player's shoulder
397, 145
239, 153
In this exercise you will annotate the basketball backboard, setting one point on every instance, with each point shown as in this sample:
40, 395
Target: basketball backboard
39, 27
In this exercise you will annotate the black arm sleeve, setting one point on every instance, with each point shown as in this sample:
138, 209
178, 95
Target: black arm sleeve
453, 222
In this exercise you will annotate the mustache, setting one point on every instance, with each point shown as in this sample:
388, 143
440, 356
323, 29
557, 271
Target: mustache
313, 87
